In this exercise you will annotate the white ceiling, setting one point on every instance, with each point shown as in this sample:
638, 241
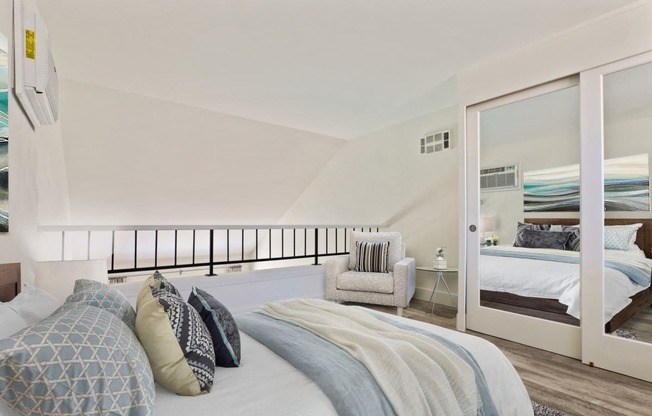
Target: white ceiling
337, 67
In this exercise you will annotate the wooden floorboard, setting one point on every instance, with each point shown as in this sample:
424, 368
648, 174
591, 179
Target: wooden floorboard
560, 382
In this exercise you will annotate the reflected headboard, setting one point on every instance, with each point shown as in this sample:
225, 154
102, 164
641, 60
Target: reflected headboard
643, 237
9, 281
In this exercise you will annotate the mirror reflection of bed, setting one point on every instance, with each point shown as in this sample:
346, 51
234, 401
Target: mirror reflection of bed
627, 303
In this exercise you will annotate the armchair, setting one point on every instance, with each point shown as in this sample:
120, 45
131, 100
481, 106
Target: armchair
395, 287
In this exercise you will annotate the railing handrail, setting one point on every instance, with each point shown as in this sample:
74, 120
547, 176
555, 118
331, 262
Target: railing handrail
320, 250
167, 227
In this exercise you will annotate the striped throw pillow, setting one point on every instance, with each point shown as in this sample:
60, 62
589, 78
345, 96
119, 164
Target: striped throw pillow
372, 257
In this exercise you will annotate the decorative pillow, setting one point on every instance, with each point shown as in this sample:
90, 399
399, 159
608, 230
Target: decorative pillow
12, 322
371, 257
620, 237
104, 297
396, 248
79, 360
518, 240
221, 326
34, 304
177, 343
155, 281
573, 243
545, 239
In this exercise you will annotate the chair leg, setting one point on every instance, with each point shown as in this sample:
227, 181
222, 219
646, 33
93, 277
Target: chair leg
399, 311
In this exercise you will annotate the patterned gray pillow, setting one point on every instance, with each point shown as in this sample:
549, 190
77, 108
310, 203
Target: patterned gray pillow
521, 227
165, 284
104, 297
221, 325
79, 360
545, 239
573, 243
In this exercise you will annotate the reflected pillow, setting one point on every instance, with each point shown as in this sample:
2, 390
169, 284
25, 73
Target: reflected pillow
34, 304
545, 239
574, 240
620, 237
521, 227
221, 325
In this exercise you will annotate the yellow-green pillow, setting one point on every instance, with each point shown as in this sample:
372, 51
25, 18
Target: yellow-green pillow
177, 343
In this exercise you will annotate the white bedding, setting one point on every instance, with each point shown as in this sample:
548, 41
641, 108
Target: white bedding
552, 280
267, 384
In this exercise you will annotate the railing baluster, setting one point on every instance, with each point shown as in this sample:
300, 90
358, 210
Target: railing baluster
294, 242
316, 246
270, 243
210, 253
243, 243
194, 235
155, 248
135, 249
176, 245
256, 243
228, 248
63, 245
113, 250
282, 242
88, 245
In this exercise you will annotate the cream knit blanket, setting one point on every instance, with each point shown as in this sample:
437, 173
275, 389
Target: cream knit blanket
417, 374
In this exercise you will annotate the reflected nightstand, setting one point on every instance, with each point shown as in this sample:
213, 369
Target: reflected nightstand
440, 278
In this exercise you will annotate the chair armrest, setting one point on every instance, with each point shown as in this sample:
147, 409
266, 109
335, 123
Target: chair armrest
334, 267
404, 281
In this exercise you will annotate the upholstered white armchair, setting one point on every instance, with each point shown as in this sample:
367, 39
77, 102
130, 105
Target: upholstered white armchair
372, 273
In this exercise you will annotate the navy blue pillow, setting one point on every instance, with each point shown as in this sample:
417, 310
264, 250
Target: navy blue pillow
221, 326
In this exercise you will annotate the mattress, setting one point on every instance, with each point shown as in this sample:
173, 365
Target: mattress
554, 280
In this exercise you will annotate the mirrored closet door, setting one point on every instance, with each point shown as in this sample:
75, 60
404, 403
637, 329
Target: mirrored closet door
523, 272
616, 128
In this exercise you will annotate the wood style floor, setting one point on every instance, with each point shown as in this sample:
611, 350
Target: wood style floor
560, 382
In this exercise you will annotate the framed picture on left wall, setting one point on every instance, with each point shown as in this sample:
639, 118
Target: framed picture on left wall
4, 134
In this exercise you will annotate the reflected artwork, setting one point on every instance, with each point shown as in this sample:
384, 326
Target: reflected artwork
4, 134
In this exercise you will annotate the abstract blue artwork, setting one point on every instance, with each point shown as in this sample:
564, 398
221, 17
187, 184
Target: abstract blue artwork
4, 134
626, 186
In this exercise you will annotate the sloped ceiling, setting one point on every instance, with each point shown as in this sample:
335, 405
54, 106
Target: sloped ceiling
339, 67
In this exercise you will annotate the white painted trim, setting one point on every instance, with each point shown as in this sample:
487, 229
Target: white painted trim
186, 227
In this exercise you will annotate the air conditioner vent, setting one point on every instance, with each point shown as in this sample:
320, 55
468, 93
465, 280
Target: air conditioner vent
499, 178
435, 142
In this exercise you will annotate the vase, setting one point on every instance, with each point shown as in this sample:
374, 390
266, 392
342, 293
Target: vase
439, 263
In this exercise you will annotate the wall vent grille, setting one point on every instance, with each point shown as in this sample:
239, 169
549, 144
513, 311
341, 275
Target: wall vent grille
499, 178
435, 142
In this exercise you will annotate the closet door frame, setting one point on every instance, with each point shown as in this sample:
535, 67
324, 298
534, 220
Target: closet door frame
599, 349
551, 336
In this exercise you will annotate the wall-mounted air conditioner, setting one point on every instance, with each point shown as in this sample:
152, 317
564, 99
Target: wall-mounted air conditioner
499, 178
36, 82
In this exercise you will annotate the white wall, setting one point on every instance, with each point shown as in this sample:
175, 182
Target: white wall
137, 160
381, 178
37, 185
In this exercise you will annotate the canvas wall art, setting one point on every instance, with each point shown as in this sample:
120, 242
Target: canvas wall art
626, 186
4, 134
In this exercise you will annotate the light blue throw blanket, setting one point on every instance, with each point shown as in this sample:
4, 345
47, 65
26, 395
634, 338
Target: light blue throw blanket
637, 269
345, 381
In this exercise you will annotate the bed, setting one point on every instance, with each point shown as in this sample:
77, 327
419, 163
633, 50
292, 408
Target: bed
625, 298
265, 383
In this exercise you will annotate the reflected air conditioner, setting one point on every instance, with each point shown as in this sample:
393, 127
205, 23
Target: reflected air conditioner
36, 82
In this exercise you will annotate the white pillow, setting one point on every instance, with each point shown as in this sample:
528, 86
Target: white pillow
11, 321
34, 304
620, 237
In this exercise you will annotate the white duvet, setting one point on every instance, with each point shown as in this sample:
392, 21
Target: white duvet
552, 280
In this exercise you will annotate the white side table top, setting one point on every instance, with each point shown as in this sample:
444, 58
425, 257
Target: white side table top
432, 269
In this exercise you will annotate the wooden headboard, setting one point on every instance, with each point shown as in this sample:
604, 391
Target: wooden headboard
9, 281
643, 238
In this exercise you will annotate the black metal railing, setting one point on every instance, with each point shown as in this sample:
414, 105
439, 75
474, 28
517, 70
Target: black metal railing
144, 248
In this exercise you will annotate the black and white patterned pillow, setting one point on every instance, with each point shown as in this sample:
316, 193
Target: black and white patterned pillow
221, 325
371, 257
164, 284
518, 241
573, 243
545, 239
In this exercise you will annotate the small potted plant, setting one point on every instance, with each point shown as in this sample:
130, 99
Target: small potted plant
440, 262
